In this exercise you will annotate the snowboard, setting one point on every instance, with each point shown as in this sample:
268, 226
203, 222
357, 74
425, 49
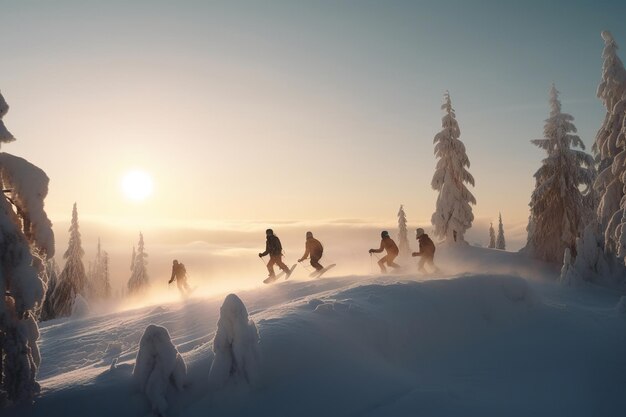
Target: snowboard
317, 274
269, 280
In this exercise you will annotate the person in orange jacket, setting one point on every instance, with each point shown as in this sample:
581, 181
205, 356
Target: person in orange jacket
390, 246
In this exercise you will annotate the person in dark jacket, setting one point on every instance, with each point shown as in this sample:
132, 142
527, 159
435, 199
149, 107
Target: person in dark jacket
390, 246
426, 251
179, 273
274, 249
314, 248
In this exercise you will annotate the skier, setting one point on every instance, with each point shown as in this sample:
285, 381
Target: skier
179, 273
274, 249
390, 246
427, 251
314, 248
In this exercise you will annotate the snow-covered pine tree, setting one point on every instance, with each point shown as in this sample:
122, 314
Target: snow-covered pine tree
27, 241
610, 146
492, 237
73, 279
403, 238
139, 281
453, 214
559, 208
500, 242
99, 286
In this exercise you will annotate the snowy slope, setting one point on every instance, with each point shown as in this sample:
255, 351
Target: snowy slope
475, 344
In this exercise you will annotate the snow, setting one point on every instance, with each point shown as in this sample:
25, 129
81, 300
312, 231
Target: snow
236, 346
158, 365
506, 339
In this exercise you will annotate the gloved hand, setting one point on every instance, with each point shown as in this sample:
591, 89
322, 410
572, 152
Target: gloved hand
170, 281
415, 254
301, 259
260, 255
371, 250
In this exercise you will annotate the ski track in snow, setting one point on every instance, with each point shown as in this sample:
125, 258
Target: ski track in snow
393, 345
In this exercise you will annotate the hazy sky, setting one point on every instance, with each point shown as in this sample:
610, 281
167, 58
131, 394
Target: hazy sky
288, 110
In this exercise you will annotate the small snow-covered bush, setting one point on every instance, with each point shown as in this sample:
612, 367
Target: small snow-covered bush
236, 346
158, 365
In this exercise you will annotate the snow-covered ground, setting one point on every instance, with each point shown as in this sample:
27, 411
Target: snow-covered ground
505, 341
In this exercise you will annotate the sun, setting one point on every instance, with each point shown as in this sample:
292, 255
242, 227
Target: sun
137, 185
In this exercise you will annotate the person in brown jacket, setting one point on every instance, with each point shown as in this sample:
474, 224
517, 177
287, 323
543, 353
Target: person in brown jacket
390, 246
314, 248
426, 252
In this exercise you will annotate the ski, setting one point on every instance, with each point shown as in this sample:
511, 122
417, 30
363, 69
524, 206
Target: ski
317, 274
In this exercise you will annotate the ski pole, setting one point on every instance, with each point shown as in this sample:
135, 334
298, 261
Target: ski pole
371, 264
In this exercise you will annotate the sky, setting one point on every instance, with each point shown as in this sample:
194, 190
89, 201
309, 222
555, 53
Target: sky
255, 114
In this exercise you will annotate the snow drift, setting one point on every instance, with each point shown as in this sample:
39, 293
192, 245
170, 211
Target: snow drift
485, 344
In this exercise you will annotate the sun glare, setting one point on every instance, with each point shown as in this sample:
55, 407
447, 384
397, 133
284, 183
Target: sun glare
137, 185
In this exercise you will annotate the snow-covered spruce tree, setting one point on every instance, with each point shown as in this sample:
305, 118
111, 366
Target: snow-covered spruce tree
500, 242
73, 279
26, 241
492, 237
596, 254
610, 146
236, 346
403, 239
559, 208
158, 366
453, 214
99, 286
138, 281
